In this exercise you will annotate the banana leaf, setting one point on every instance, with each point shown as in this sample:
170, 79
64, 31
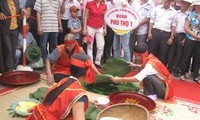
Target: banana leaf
107, 89
128, 87
116, 67
91, 112
103, 78
39, 93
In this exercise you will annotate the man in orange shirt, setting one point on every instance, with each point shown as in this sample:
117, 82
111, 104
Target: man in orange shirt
60, 58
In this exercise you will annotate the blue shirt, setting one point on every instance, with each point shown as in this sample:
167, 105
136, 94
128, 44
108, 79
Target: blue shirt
29, 39
76, 24
194, 21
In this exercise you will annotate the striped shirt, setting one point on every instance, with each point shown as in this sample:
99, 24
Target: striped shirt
49, 14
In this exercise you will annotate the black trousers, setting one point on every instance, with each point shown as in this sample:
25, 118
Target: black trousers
158, 44
196, 64
108, 44
66, 30
1, 55
175, 52
9, 43
152, 85
191, 48
140, 39
33, 30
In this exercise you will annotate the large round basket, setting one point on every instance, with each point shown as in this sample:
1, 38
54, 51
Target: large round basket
125, 111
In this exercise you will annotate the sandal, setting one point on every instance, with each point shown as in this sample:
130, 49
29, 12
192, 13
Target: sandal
197, 80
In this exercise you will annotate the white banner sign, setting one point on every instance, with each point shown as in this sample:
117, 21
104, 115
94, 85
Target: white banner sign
122, 19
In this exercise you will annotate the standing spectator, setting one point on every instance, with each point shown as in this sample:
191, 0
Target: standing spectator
139, 35
1, 53
74, 24
122, 40
192, 42
161, 30
176, 48
65, 5
110, 34
33, 22
10, 28
95, 25
49, 24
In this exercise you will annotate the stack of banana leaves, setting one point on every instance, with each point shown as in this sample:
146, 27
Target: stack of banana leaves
39, 93
104, 85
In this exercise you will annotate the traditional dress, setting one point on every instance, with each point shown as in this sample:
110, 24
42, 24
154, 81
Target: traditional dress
62, 105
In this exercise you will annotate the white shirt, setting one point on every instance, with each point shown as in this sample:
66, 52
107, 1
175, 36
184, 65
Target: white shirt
66, 15
180, 21
163, 18
147, 70
144, 11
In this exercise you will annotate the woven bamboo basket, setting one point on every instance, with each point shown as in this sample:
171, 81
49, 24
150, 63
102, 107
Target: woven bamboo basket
125, 111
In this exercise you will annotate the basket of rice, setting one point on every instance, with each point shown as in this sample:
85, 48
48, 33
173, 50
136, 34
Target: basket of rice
124, 111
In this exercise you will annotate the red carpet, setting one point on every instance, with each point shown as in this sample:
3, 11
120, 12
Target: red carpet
187, 90
183, 90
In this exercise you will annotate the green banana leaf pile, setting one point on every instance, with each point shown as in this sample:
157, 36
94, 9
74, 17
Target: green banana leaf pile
116, 67
104, 85
107, 89
39, 93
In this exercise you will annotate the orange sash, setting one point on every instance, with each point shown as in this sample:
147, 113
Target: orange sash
162, 70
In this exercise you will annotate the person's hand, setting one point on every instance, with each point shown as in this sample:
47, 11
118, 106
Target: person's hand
84, 32
30, 110
198, 38
2, 16
170, 41
60, 29
40, 31
116, 79
123, 4
182, 42
104, 32
100, 107
130, 64
50, 78
136, 30
149, 36
24, 12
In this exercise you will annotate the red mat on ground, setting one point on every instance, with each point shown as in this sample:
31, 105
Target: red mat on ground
187, 91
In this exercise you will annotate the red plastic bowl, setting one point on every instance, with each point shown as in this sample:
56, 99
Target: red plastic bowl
132, 97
